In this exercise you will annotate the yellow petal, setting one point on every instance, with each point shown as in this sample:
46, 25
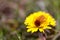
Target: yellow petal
34, 30
47, 27
41, 30
53, 23
30, 27
28, 30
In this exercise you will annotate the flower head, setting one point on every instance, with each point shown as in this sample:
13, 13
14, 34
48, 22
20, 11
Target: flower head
39, 21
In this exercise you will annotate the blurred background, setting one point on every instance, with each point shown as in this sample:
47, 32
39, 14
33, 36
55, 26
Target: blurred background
14, 12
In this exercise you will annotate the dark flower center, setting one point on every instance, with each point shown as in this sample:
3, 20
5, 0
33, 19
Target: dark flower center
39, 20
37, 23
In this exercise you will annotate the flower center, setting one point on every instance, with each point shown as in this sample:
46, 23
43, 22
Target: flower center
40, 20
37, 23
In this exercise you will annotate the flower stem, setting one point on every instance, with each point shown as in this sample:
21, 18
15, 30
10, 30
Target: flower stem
41, 37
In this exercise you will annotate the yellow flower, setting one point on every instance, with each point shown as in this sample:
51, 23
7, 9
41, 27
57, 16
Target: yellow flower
39, 21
